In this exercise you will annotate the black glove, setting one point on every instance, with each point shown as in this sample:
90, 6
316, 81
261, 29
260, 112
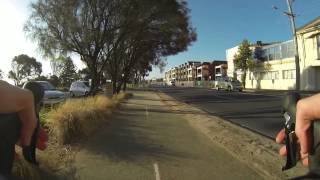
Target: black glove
29, 154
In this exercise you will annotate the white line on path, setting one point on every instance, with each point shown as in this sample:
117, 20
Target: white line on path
156, 170
147, 112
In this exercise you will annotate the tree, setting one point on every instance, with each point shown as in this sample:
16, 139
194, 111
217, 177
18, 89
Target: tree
57, 65
41, 78
24, 68
243, 60
84, 74
1, 74
111, 35
259, 54
75, 26
13, 76
68, 72
54, 80
148, 36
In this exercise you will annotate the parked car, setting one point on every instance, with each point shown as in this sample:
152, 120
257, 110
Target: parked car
51, 94
79, 88
228, 84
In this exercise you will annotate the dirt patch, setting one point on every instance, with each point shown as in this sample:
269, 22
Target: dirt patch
257, 151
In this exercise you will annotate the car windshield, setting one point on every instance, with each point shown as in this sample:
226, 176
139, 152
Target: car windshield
86, 83
47, 86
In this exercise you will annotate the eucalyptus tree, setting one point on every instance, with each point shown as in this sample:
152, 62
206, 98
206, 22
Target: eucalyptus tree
84, 27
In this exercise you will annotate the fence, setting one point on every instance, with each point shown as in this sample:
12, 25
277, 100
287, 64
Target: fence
198, 84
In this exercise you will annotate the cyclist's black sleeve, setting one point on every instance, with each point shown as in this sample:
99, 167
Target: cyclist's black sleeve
10, 126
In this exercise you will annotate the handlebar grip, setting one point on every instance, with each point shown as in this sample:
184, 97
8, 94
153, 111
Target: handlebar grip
314, 156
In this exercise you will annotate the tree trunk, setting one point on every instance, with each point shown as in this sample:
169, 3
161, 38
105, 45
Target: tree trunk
124, 88
119, 88
119, 85
243, 79
95, 82
114, 86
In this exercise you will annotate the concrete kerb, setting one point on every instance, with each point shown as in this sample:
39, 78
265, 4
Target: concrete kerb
259, 152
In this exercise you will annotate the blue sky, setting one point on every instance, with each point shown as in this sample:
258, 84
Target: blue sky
222, 24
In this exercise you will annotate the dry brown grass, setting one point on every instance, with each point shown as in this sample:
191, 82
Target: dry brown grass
24, 170
79, 118
69, 122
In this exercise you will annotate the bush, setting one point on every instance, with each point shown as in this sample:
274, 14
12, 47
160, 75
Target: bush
43, 114
25, 170
79, 118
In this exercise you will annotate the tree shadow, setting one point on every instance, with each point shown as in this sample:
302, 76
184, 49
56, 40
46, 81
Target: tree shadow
127, 139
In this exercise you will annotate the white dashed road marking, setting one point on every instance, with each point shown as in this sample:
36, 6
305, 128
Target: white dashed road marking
155, 165
156, 171
147, 112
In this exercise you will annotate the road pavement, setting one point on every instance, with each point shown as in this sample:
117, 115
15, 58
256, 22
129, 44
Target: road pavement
146, 140
260, 112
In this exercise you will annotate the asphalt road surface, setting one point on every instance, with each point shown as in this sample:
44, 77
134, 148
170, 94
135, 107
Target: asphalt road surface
260, 112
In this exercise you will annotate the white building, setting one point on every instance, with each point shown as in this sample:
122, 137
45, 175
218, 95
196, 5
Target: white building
276, 69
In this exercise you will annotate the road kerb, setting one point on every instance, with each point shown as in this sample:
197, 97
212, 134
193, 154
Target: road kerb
257, 151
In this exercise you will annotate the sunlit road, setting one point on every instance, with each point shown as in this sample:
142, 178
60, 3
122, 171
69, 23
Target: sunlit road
256, 111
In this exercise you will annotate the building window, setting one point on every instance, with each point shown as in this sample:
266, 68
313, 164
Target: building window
279, 51
289, 74
256, 76
271, 75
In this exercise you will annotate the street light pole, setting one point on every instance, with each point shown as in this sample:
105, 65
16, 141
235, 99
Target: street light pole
295, 41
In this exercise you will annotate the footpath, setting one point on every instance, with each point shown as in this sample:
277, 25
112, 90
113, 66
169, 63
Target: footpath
151, 137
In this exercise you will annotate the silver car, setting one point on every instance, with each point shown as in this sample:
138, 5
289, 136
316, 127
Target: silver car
51, 94
228, 84
79, 88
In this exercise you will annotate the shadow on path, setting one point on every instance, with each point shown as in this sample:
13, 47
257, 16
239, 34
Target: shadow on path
129, 138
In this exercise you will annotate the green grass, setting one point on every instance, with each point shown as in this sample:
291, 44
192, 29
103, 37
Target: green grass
43, 115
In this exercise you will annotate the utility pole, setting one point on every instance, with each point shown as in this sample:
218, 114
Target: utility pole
295, 41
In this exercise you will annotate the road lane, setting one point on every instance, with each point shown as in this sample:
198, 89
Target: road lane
258, 112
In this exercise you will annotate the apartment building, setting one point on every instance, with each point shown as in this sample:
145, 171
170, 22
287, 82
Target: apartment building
183, 72
193, 71
203, 72
171, 75
220, 71
216, 68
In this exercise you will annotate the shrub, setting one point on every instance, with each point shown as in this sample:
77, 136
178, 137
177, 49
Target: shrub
79, 118
24, 170
43, 114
